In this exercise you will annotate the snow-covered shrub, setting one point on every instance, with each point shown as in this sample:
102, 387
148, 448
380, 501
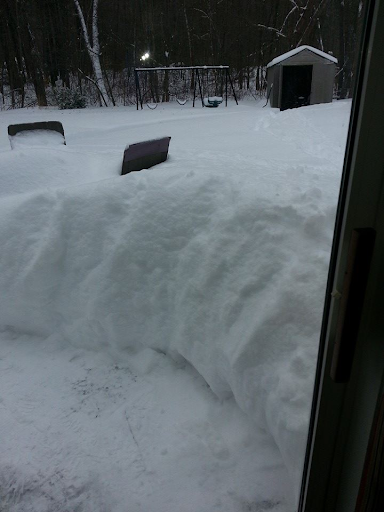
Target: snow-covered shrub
70, 98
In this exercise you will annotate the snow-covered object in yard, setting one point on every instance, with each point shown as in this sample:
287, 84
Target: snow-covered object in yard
212, 101
295, 51
41, 134
219, 260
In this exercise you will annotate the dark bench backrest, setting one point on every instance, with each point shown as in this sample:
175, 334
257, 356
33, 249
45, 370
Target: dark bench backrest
55, 126
144, 155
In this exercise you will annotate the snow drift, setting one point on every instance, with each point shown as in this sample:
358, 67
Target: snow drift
226, 270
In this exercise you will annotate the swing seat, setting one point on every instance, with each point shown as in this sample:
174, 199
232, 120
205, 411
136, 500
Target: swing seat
213, 101
144, 155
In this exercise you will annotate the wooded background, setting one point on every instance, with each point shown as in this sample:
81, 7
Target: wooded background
42, 42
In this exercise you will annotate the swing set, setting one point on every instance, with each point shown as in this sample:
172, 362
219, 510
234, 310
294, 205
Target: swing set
197, 80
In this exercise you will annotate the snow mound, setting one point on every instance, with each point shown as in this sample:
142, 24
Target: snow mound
192, 265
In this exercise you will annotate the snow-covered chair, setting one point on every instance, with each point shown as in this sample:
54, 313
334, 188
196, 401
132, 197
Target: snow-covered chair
32, 134
144, 155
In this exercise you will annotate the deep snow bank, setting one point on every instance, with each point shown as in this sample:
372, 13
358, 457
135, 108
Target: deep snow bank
226, 270
196, 266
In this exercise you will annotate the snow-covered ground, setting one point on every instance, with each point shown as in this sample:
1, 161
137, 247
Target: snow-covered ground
159, 330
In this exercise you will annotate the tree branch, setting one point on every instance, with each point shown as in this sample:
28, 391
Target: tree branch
272, 29
287, 16
95, 84
321, 4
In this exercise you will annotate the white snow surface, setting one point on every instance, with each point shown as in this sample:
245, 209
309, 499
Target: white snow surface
160, 329
299, 49
39, 138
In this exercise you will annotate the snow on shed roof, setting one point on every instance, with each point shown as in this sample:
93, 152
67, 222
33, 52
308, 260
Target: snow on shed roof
276, 60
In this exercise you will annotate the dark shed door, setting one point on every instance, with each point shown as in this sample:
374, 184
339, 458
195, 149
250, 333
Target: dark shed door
296, 86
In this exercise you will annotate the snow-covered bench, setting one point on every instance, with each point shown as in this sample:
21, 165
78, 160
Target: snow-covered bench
144, 155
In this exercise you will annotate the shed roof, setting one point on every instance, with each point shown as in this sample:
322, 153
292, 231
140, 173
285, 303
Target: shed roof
285, 56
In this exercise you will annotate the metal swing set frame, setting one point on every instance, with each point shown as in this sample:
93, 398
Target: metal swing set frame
196, 77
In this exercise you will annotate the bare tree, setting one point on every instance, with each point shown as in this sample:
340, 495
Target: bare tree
93, 48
